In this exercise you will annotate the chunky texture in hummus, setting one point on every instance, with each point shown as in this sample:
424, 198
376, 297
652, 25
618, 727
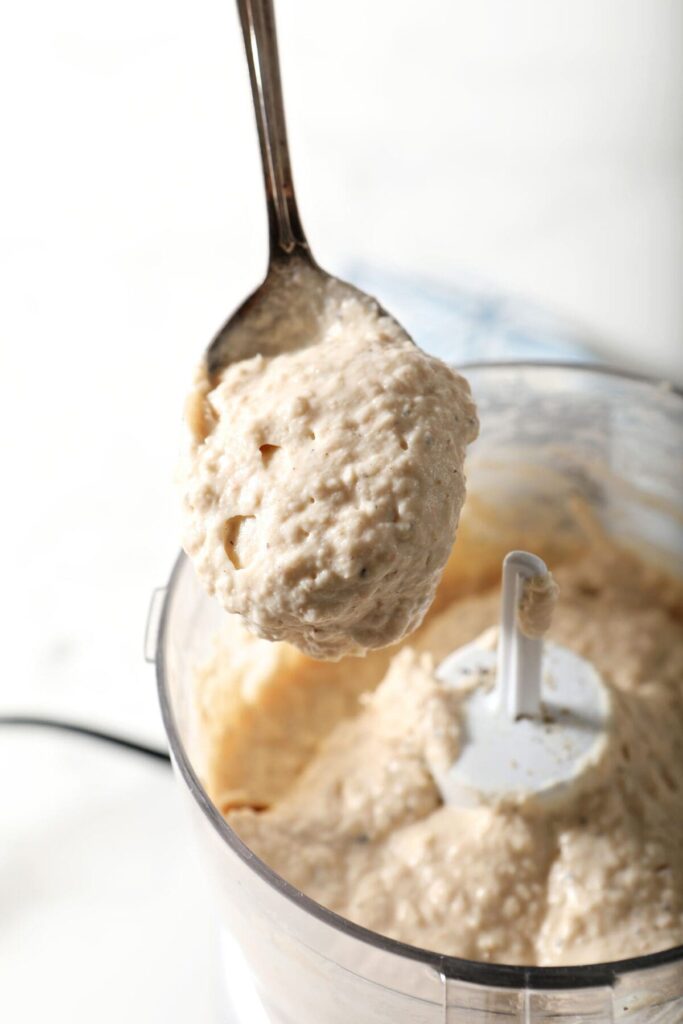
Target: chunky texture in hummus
323, 485
324, 771
537, 604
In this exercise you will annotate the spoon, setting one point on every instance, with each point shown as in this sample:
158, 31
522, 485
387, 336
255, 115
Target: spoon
294, 285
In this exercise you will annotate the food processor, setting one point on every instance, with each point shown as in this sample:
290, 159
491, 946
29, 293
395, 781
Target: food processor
554, 438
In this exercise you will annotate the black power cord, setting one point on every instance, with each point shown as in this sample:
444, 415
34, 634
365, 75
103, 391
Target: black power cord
85, 730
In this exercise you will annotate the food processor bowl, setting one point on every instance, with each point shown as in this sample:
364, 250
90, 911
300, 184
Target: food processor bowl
552, 436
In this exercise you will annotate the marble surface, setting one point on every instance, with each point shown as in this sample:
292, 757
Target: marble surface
526, 157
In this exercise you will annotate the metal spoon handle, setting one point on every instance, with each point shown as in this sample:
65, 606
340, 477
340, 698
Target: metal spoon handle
260, 40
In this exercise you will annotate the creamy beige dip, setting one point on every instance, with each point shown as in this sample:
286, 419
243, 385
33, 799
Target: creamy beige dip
323, 486
537, 604
323, 770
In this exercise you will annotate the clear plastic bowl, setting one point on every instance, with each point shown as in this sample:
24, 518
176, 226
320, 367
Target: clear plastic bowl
548, 432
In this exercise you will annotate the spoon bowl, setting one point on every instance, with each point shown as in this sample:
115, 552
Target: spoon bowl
282, 314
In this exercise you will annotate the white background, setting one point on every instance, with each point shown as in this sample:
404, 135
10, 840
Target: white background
536, 143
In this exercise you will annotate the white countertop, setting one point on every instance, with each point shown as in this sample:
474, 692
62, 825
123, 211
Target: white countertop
536, 146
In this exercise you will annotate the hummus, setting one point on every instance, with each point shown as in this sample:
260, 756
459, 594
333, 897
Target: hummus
323, 485
537, 604
324, 771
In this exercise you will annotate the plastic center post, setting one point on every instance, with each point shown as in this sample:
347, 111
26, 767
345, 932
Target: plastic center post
535, 716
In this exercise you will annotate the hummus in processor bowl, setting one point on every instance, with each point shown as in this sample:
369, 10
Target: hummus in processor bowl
324, 770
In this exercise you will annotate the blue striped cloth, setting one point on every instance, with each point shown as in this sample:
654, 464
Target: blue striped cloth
464, 321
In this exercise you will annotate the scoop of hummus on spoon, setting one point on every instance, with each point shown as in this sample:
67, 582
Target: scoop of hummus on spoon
324, 475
